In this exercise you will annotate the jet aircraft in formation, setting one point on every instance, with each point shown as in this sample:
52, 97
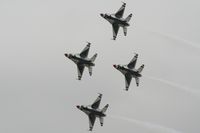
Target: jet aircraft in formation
82, 60
117, 21
93, 111
130, 72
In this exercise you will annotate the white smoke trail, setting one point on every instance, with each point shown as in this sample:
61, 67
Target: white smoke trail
151, 126
189, 43
187, 89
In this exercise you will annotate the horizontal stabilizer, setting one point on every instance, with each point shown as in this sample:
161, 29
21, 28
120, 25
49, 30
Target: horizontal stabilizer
101, 120
90, 70
137, 80
125, 30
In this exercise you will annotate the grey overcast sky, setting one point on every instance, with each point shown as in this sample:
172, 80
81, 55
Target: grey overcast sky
38, 86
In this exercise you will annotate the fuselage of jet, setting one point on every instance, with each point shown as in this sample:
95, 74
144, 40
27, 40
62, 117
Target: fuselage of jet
88, 110
79, 60
113, 19
124, 70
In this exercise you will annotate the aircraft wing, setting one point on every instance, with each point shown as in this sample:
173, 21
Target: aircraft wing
115, 30
80, 69
96, 103
120, 12
128, 79
85, 51
132, 63
92, 119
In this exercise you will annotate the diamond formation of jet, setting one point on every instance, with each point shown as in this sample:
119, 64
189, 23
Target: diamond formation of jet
129, 70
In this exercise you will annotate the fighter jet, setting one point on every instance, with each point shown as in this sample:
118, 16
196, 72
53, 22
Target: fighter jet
130, 72
117, 21
82, 60
93, 111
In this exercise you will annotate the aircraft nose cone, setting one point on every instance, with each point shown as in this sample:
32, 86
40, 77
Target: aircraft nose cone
66, 55
102, 15
114, 66
78, 106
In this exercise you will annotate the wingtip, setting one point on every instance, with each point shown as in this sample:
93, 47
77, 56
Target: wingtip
124, 4
100, 94
88, 43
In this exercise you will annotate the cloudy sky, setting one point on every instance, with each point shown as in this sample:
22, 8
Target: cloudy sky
39, 90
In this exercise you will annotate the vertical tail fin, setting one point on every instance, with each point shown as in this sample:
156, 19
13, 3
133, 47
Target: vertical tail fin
93, 57
105, 108
128, 18
140, 68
